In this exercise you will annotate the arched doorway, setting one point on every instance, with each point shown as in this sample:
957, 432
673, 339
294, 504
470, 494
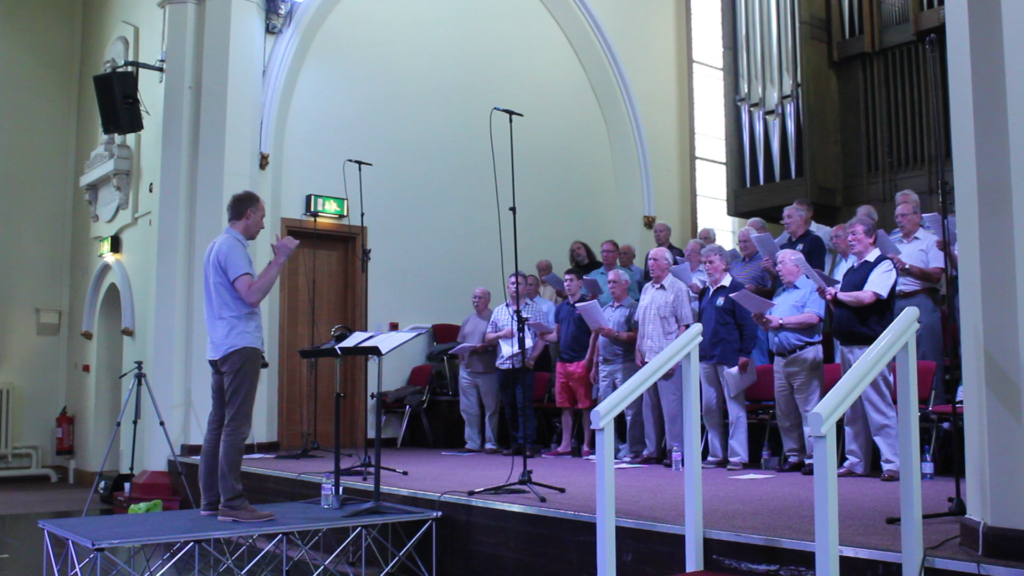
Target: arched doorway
107, 389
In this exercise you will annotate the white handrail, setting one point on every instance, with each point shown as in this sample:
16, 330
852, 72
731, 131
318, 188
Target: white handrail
684, 349
899, 341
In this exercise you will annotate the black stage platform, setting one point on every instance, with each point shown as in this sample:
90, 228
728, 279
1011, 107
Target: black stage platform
303, 538
753, 526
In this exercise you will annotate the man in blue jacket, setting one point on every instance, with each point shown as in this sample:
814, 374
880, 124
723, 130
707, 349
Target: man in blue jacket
729, 338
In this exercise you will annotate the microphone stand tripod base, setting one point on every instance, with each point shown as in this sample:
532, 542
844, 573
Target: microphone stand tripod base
526, 480
368, 508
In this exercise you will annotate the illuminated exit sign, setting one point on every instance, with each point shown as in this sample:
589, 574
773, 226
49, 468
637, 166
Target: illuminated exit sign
109, 246
326, 206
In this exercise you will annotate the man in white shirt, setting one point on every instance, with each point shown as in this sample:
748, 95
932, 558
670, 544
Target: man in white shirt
920, 266
843, 259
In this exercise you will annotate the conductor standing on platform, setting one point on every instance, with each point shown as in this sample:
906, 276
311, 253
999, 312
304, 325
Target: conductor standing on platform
233, 293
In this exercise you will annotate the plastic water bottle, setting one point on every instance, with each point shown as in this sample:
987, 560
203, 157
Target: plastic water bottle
327, 492
766, 455
927, 466
677, 458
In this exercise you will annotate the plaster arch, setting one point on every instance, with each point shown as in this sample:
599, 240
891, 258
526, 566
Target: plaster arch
583, 31
124, 285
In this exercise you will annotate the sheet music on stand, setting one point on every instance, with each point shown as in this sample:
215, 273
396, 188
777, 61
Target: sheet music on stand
376, 343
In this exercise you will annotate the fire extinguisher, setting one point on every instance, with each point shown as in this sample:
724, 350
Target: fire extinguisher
65, 433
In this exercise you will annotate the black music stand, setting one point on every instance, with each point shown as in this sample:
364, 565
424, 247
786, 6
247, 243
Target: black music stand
369, 344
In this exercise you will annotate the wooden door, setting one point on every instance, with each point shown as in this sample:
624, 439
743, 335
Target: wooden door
321, 287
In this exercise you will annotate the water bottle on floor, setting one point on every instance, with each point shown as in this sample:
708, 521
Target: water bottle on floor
327, 492
927, 466
766, 455
677, 458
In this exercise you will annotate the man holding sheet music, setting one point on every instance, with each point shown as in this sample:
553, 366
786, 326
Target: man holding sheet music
547, 290
615, 360
919, 266
747, 269
862, 309
573, 389
515, 380
478, 380
729, 338
662, 316
794, 327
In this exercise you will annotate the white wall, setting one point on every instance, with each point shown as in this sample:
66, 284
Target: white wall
142, 24
38, 43
408, 87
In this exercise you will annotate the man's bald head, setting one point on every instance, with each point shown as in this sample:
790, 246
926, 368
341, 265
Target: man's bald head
662, 234
626, 255
544, 268
758, 224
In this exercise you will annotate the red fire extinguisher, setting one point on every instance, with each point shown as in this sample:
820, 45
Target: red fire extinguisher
65, 433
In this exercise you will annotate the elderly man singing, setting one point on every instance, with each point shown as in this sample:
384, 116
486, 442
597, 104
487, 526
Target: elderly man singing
729, 337
862, 308
662, 315
794, 327
478, 378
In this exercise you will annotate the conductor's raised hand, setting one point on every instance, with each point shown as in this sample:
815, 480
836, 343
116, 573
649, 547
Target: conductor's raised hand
283, 247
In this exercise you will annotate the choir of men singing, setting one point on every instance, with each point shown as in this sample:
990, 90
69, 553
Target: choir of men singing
645, 309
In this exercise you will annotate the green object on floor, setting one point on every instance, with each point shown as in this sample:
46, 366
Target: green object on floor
143, 507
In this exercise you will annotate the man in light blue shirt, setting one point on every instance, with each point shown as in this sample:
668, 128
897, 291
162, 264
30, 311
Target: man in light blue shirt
234, 349
794, 332
610, 261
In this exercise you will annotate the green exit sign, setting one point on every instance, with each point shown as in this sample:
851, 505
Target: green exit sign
330, 206
109, 246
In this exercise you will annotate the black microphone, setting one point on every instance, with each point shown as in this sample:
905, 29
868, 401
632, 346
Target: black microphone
509, 112
360, 162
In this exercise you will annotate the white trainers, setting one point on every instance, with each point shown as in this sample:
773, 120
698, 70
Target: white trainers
247, 514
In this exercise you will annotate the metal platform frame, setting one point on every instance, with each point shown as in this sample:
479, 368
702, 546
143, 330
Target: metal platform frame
338, 545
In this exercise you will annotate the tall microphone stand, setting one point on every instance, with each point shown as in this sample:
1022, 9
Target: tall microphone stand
957, 507
366, 464
526, 477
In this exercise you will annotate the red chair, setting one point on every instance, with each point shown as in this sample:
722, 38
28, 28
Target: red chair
925, 377
833, 372
544, 405
419, 376
760, 398
446, 334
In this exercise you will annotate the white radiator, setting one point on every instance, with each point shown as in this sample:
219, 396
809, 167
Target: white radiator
8, 449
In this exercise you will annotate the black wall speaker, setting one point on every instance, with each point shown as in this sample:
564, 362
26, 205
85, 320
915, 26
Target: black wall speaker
117, 94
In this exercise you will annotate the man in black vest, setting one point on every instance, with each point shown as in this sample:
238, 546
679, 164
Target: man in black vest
863, 309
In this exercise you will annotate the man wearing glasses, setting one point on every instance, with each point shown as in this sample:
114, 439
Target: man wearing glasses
609, 262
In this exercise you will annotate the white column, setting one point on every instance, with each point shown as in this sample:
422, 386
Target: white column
986, 78
227, 158
170, 357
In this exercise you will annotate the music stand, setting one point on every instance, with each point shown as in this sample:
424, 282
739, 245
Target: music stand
369, 344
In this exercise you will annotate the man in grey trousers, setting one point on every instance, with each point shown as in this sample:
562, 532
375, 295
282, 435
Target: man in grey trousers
233, 292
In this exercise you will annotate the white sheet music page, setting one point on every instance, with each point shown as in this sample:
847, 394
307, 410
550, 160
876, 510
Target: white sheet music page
355, 339
752, 302
766, 245
885, 244
592, 313
683, 273
593, 287
390, 340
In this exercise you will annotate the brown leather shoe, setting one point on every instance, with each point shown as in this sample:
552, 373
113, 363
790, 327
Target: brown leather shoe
247, 514
890, 476
790, 466
490, 450
808, 469
845, 472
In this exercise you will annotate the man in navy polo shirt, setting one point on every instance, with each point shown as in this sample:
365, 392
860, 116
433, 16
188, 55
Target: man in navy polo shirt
863, 309
233, 292
573, 388
797, 223
729, 337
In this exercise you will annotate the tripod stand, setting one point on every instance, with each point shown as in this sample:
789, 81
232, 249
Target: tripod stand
138, 380
526, 477
957, 507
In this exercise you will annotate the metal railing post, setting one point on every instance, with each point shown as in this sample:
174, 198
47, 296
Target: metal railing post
604, 443
912, 545
826, 505
693, 486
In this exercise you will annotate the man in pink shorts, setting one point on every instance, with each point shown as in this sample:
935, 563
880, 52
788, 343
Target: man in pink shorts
573, 388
